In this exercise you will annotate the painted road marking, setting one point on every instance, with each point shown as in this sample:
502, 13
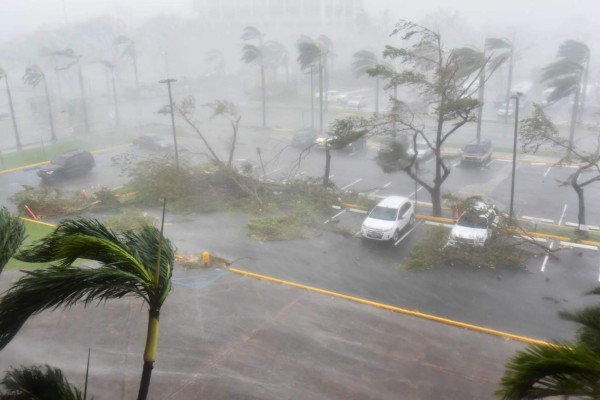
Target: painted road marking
413, 193
335, 216
562, 215
546, 258
353, 183
381, 188
548, 170
418, 314
537, 163
570, 245
407, 233
592, 227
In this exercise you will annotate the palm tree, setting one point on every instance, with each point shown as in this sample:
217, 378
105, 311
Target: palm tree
311, 52
251, 54
505, 46
76, 60
560, 369
567, 77
33, 76
363, 61
128, 51
111, 68
12, 234
38, 383
12, 110
135, 263
327, 45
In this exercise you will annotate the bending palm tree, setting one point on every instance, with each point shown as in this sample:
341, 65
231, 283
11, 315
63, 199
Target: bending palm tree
111, 68
252, 53
568, 76
128, 267
129, 51
506, 47
363, 61
33, 76
12, 110
562, 369
311, 52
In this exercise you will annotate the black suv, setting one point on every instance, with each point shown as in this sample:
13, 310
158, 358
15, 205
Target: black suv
477, 153
67, 165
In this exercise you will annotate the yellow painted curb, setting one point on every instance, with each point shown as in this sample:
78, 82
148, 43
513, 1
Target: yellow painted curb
6, 171
418, 314
437, 219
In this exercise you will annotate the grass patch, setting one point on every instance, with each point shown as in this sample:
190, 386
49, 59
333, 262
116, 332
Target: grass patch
277, 227
500, 252
34, 232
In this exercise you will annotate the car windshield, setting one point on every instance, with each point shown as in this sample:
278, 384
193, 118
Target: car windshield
472, 221
473, 148
384, 213
59, 160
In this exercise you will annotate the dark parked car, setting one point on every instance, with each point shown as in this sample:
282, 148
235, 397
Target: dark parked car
151, 142
477, 153
67, 165
303, 138
321, 143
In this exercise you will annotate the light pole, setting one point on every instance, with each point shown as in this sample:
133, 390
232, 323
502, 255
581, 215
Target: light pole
514, 160
168, 82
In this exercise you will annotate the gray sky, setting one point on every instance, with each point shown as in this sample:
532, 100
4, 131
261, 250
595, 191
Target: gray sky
22, 16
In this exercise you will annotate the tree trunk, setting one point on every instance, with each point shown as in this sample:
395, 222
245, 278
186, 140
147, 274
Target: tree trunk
264, 94
583, 92
395, 100
83, 104
579, 190
321, 94
149, 353
312, 99
436, 200
12, 114
327, 167
326, 81
114, 87
135, 72
376, 94
480, 98
234, 125
574, 113
50, 117
510, 74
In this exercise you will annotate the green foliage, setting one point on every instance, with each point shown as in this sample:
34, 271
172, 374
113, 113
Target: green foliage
130, 219
277, 227
38, 383
48, 200
538, 130
12, 235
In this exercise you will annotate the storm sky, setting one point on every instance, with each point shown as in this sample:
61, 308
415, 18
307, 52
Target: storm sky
22, 16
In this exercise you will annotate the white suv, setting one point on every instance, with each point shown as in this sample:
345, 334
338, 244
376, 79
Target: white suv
388, 218
475, 226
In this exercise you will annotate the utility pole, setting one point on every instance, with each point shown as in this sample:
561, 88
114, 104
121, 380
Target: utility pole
168, 82
514, 160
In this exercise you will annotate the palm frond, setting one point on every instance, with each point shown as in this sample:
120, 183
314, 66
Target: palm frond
309, 52
12, 234
325, 42
497, 44
467, 61
561, 68
121, 39
589, 331
544, 371
59, 286
251, 53
574, 51
33, 75
363, 60
37, 382
250, 32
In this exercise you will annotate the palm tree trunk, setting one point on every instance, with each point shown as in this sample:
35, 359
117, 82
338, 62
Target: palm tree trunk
83, 104
327, 167
114, 87
321, 94
508, 86
583, 92
149, 354
234, 125
326, 83
50, 117
395, 100
264, 94
376, 94
12, 114
312, 99
135, 71
574, 113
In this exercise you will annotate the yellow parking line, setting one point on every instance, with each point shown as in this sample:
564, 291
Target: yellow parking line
418, 314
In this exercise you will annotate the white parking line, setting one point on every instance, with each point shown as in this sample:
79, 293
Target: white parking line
353, 183
599, 269
548, 170
544, 263
537, 163
407, 233
381, 188
591, 227
413, 193
562, 215
571, 245
386, 185
335, 216
534, 219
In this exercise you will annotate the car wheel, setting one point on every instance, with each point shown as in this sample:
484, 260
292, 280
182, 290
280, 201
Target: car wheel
396, 236
412, 220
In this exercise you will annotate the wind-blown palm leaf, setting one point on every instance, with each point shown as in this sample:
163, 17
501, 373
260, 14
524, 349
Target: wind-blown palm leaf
38, 383
128, 49
251, 33
33, 75
562, 87
544, 371
12, 234
467, 61
363, 60
574, 51
497, 44
309, 52
251, 53
561, 68
326, 43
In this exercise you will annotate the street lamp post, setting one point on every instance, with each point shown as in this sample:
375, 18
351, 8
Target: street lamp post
168, 82
514, 160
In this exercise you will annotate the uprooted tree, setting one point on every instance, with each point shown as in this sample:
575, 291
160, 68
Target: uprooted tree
538, 130
444, 79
